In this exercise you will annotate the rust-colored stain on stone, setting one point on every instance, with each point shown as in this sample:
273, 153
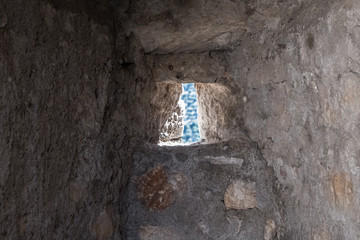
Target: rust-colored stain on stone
154, 189
342, 188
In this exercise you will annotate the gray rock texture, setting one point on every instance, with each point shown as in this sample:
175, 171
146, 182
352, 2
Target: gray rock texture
86, 84
76, 98
155, 233
240, 195
294, 82
200, 189
199, 25
302, 109
56, 70
209, 67
178, 26
220, 111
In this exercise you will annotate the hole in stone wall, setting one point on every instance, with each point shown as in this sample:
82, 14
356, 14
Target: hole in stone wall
205, 112
191, 127
182, 126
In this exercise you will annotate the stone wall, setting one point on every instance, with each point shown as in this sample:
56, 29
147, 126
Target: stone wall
202, 191
302, 91
75, 99
220, 111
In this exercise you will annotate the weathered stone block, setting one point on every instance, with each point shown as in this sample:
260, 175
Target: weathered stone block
269, 230
240, 195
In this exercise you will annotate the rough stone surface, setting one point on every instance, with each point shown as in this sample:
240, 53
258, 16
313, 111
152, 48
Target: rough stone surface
220, 111
78, 96
343, 191
301, 88
269, 231
165, 103
174, 126
77, 193
103, 226
222, 160
3, 16
209, 67
200, 25
200, 180
240, 195
163, 26
56, 69
75, 100
321, 235
154, 189
179, 183
156, 233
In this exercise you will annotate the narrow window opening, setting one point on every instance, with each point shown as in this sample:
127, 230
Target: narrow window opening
204, 113
191, 127
182, 127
